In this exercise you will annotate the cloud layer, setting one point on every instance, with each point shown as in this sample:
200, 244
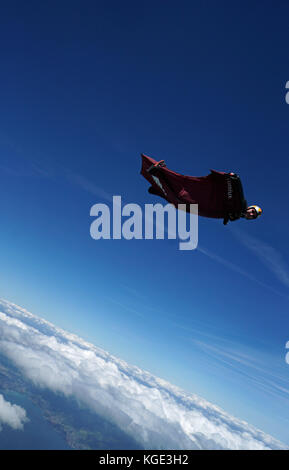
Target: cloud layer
157, 414
12, 415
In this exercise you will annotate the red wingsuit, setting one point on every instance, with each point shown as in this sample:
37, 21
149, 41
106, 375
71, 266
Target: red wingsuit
218, 195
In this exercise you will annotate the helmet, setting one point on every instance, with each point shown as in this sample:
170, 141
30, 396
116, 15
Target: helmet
257, 209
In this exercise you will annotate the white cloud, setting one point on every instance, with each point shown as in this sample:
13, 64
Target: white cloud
156, 413
88, 186
12, 415
260, 370
236, 268
267, 254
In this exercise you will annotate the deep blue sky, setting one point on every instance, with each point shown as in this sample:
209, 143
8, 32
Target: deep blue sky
85, 88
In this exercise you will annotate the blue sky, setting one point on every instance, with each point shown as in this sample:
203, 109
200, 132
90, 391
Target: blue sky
85, 88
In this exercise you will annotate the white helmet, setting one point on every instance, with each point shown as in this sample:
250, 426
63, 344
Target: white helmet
257, 209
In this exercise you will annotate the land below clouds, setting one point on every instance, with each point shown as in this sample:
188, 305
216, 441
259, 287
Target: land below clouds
81, 428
